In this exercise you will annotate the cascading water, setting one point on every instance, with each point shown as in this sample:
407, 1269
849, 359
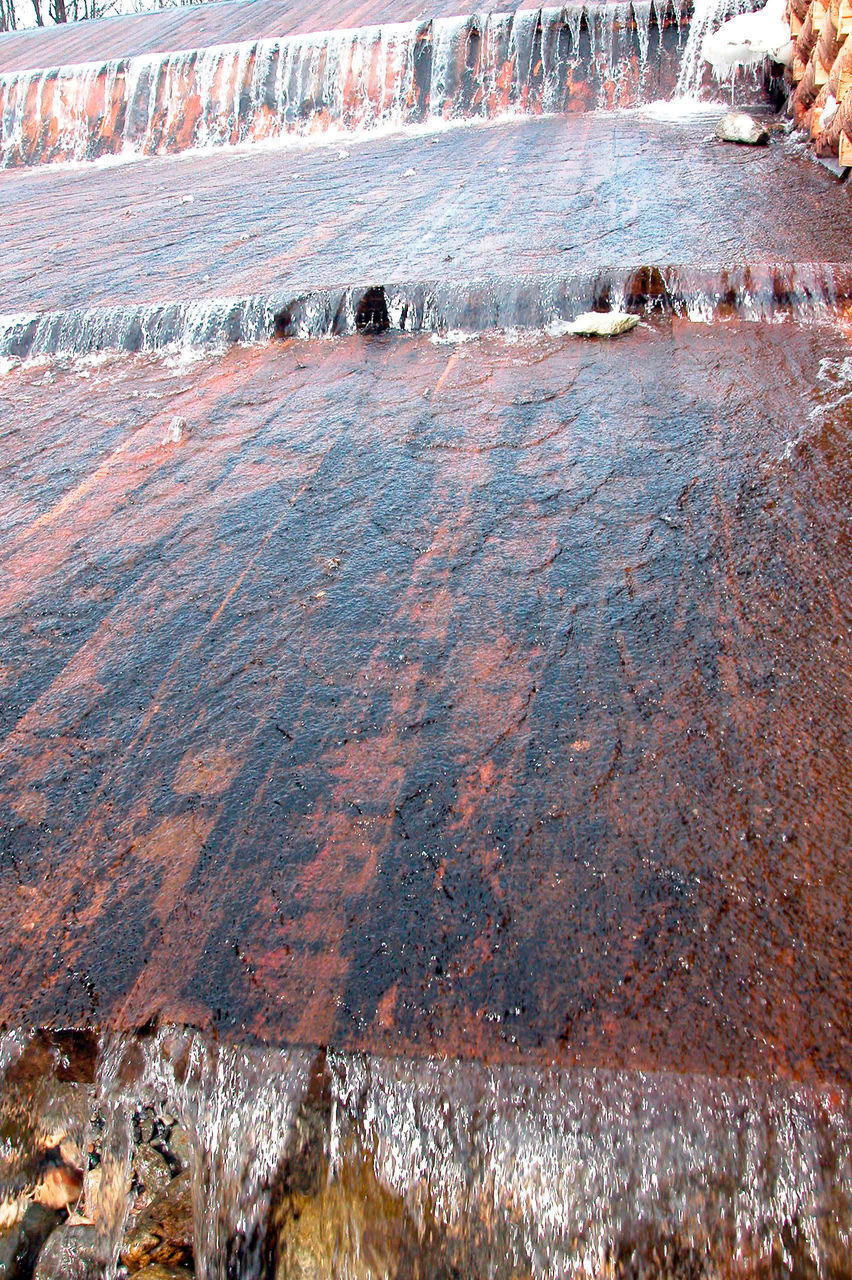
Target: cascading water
306, 1163
374, 77
762, 292
707, 17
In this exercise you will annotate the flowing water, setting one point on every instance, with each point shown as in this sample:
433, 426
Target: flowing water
760, 292
425, 764
578, 1054
531, 61
356, 1165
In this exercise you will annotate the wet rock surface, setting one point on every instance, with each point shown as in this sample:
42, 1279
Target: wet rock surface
489, 462
661, 196
71, 1253
21, 1244
60, 1215
163, 1232
454, 730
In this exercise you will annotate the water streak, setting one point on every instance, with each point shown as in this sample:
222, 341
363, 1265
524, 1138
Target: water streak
239, 1109
571, 1171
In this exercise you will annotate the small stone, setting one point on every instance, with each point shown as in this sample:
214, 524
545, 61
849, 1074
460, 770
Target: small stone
72, 1253
163, 1233
602, 324
20, 1247
152, 1170
180, 1147
178, 431
60, 1185
738, 126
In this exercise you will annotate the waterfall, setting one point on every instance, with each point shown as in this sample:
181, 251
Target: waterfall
760, 292
571, 1169
389, 76
239, 1109
707, 16
369, 1165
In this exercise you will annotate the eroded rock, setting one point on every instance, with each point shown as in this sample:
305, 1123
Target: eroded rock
159, 1272
180, 1147
152, 1173
738, 126
354, 1226
163, 1232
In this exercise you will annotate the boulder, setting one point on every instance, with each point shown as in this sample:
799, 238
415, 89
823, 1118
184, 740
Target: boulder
72, 1253
163, 1232
21, 1245
602, 324
738, 126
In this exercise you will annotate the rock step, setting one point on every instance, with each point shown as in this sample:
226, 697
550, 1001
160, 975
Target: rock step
760, 292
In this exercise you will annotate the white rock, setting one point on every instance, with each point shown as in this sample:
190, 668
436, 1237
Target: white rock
178, 431
737, 126
602, 324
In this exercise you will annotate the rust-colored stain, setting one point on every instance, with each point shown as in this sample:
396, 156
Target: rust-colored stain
489, 700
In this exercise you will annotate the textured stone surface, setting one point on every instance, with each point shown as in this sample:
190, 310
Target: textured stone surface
535, 196
163, 1234
738, 126
72, 1253
483, 699
20, 1245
